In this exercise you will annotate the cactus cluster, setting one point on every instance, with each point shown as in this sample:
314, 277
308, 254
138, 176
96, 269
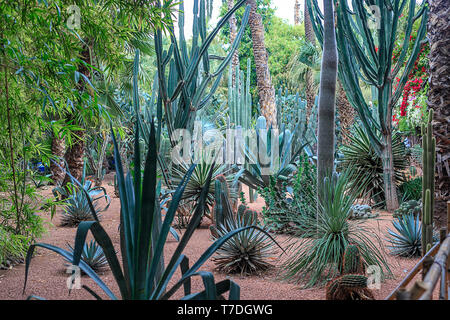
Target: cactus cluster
240, 98
352, 284
428, 166
409, 207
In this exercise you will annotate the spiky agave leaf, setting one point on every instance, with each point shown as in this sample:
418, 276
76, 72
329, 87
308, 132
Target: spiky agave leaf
93, 255
247, 252
406, 242
77, 208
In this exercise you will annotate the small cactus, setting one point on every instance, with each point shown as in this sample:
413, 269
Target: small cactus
352, 262
349, 287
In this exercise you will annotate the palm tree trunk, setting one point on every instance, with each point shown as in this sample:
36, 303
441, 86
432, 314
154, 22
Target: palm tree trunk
266, 90
233, 34
439, 99
58, 148
309, 79
75, 153
327, 97
346, 113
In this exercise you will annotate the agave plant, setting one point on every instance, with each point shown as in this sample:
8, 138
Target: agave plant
92, 255
317, 255
78, 208
247, 252
360, 155
406, 240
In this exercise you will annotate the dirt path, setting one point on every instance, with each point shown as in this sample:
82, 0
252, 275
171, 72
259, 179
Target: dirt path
47, 277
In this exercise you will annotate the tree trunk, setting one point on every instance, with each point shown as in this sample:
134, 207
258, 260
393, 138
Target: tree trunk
309, 79
233, 34
346, 113
75, 153
390, 188
297, 13
75, 157
439, 99
327, 97
58, 148
266, 90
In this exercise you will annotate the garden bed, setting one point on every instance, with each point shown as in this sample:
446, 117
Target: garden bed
47, 277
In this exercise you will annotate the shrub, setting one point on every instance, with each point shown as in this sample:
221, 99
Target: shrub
411, 190
92, 255
317, 255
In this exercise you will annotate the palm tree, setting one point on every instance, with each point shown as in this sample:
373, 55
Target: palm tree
346, 113
327, 97
266, 90
233, 33
310, 88
439, 97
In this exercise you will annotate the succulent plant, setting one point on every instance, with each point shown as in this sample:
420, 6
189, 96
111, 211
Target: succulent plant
406, 242
352, 262
409, 207
93, 255
77, 207
246, 253
361, 211
250, 250
349, 287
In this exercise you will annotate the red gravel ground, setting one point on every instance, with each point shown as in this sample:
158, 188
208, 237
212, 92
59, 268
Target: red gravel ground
47, 277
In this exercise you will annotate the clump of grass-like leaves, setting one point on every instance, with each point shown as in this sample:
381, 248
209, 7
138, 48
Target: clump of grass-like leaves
317, 255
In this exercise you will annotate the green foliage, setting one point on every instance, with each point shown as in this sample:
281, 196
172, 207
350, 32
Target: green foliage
317, 256
360, 154
285, 201
12, 248
92, 255
411, 190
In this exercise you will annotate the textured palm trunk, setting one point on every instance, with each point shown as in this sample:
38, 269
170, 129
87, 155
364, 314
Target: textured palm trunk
309, 79
390, 188
439, 98
75, 153
233, 34
266, 90
57, 171
75, 157
346, 113
327, 97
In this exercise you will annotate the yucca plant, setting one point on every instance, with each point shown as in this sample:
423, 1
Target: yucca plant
143, 274
405, 240
360, 155
93, 255
317, 256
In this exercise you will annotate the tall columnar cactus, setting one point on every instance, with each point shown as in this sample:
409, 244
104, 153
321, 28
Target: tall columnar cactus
240, 98
366, 35
185, 79
429, 165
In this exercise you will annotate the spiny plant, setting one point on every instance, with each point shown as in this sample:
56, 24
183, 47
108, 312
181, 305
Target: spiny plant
249, 251
93, 255
317, 255
352, 284
78, 208
405, 240
409, 207
246, 253
349, 287
360, 154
